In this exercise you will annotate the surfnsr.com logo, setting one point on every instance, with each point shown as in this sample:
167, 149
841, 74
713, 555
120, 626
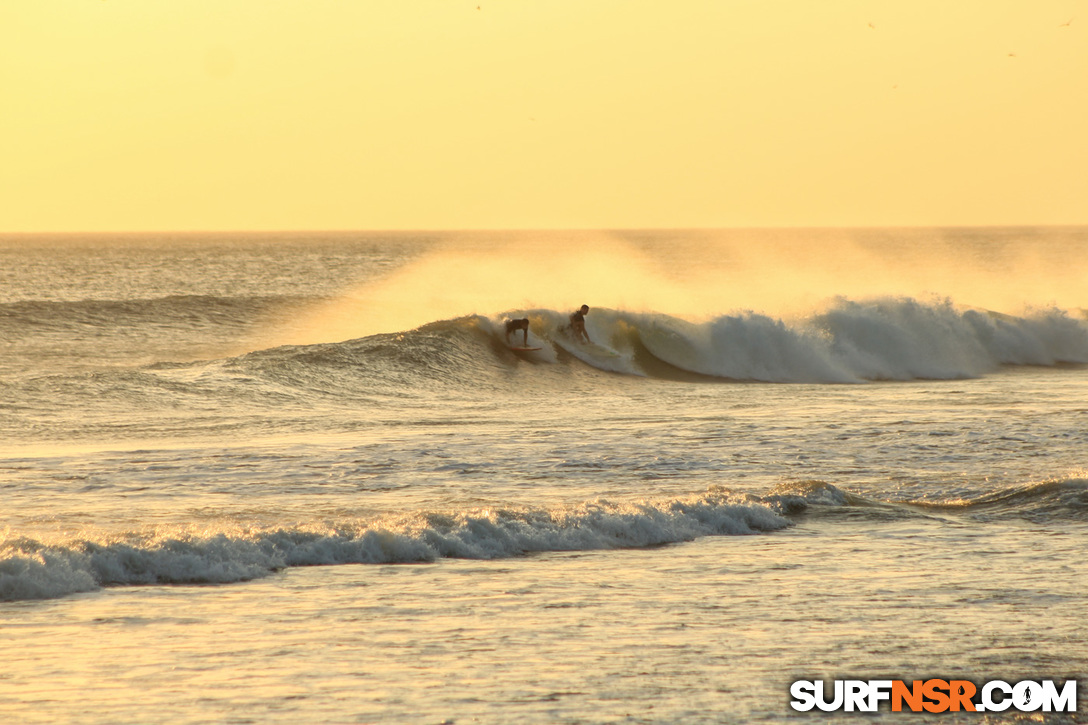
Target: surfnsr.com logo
935, 696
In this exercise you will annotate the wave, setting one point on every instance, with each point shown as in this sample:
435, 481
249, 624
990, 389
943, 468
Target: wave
1058, 498
31, 569
845, 342
1045, 501
1042, 502
227, 553
848, 341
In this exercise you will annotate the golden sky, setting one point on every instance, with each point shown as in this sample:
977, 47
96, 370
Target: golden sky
443, 114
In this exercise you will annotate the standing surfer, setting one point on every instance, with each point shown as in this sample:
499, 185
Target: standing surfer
578, 323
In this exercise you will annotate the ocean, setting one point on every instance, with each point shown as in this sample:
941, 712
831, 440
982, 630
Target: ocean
265, 478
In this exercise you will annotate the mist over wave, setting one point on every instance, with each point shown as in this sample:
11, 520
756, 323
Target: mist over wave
847, 341
160, 390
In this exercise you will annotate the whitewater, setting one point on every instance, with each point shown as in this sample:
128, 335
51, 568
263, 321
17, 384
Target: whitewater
305, 477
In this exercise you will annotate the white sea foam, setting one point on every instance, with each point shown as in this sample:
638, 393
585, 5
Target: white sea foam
902, 339
744, 346
37, 570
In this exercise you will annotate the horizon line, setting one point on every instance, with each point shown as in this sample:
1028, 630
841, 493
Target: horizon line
435, 230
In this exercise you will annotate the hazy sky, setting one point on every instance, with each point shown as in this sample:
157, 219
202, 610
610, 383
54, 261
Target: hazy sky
443, 114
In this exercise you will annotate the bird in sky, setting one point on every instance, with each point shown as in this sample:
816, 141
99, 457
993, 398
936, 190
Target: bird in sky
1067, 23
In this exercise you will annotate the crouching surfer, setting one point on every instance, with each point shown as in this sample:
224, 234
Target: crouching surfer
513, 326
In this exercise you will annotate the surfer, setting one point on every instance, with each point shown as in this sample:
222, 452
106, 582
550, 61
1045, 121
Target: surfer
578, 323
513, 326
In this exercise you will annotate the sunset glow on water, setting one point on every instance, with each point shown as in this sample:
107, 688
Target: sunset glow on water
829, 423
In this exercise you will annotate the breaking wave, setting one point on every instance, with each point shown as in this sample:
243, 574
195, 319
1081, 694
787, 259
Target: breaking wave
31, 569
850, 341
846, 342
226, 553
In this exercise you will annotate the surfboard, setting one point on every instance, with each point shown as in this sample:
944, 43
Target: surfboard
525, 349
582, 350
600, 350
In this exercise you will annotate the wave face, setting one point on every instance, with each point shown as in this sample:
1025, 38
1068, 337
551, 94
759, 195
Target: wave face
31, 569
846, 342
